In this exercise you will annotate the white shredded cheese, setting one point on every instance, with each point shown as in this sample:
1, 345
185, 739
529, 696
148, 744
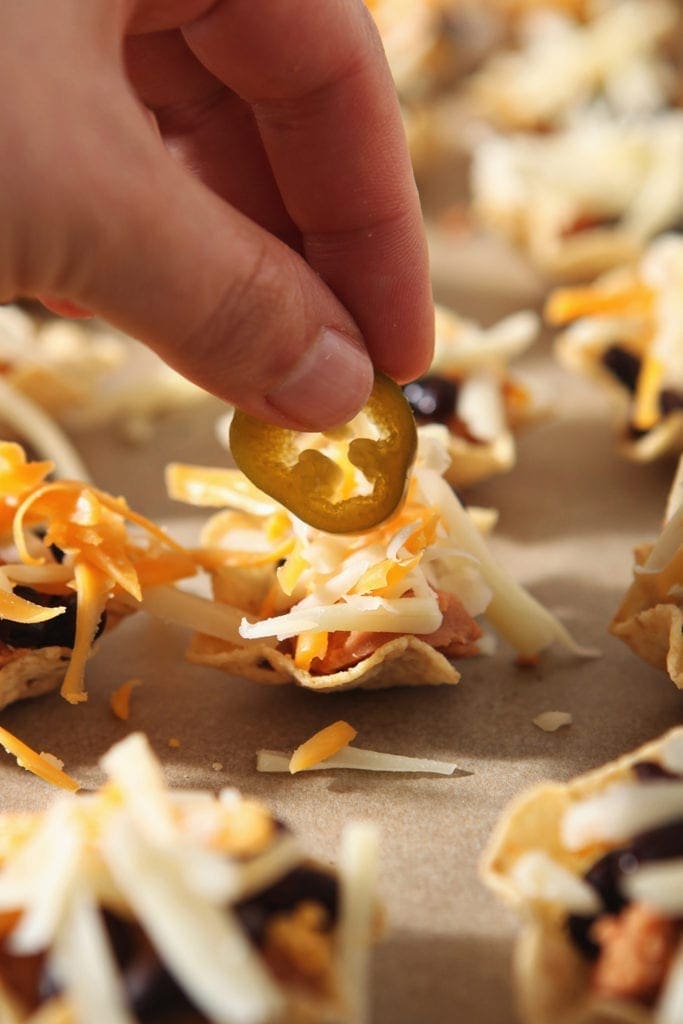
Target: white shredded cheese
193, 612
136, 772
535, 186
551, 721
82, 961
133, 768
620, 811
537, 876
363, 760
45, 874
481, 405
671, 754
258, 873
358, 880
487, 643
675, 499
669, 1009
463, 345
41, 432
513, 612
667, 545
659, 884
403, 615
56, 762
563, 63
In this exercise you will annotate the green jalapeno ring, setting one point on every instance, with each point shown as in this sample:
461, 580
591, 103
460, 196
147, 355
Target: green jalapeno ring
304, 480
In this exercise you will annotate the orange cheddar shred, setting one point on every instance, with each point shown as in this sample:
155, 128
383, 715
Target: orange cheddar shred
646, 406
101, 558
322, 745
33, 762
567, 304
119, 702
310, 644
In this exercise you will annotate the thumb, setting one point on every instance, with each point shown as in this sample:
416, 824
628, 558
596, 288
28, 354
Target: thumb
220, 299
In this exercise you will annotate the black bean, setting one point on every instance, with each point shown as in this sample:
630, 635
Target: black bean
652, 771
152, 993
605, 877
607, 874
432, 398
623, 365
299, 885
670, 401
21, 975
57, 632
57, 553
579, 928
634, 433
661, 843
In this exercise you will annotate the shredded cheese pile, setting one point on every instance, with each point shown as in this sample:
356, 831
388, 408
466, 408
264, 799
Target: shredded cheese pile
546, 192
409, 30
88, 374
463, 346
577, 8
99, 557
562, 65
638, 310
175, 863
385, 581
490, 403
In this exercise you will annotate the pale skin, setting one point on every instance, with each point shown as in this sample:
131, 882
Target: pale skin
227, 181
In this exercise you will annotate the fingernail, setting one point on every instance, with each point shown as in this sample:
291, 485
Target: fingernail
329, 385
62, 307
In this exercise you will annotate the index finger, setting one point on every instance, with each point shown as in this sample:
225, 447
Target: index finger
315, 75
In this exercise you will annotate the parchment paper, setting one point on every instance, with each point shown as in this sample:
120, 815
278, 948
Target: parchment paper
570, 514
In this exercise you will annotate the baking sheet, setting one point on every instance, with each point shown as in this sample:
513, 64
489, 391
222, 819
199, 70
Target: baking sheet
570, 514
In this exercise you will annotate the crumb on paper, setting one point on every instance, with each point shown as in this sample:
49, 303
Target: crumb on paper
173, 742
217, 766
137, 429
119, 702
56, 762
551, 721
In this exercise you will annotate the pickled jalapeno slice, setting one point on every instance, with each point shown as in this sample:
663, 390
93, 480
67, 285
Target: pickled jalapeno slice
345, 480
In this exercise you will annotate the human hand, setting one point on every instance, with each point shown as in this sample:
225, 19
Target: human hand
227, 181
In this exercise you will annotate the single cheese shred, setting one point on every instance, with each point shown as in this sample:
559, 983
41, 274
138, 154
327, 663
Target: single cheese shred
119, 702
323, 744
36, 763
